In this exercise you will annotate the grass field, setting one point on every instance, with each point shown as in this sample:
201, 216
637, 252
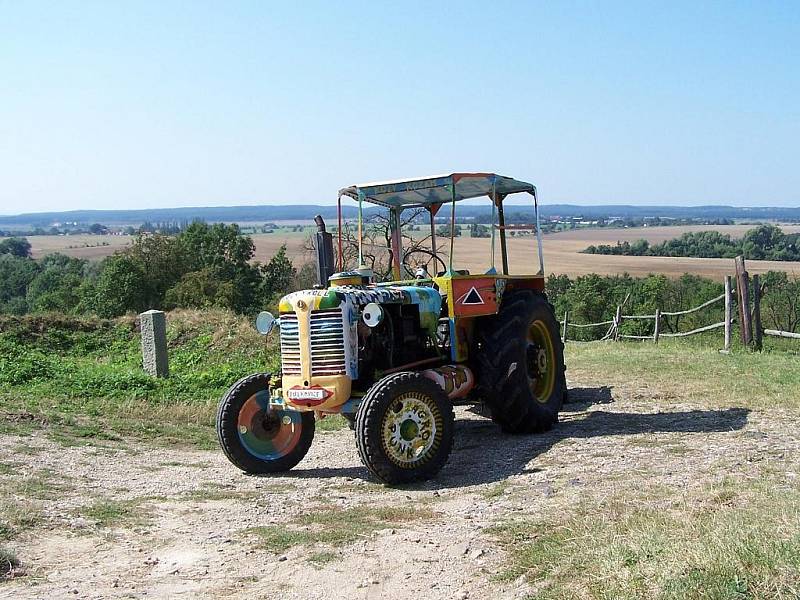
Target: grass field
562, 251
673, 473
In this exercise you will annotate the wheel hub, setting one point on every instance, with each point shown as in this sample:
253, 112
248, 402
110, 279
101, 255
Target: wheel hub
409, 431
536, 361
540, 361
264, 433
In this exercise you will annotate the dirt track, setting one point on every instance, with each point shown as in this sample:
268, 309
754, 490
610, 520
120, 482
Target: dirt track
190, 540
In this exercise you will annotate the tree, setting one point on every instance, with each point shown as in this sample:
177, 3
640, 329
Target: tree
162, 261
58, 285
278, 275
477, 230
121, 287
201, 289
444, 230
781, 301
16, 246
16, 274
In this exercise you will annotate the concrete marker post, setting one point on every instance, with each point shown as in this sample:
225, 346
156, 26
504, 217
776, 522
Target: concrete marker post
153, 325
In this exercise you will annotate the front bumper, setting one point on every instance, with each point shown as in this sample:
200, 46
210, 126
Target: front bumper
337, 388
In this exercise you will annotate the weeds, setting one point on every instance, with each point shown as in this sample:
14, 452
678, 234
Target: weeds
8, 562
334, 526
712, 545
114, 513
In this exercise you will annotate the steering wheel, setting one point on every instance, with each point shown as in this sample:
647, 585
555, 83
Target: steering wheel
420, 257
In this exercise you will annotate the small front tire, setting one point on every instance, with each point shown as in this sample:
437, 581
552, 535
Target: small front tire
257, 438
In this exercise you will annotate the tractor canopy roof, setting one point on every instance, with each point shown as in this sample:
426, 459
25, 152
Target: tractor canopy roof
436, 189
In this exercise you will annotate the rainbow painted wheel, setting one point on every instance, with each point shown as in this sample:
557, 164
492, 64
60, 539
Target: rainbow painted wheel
257, 438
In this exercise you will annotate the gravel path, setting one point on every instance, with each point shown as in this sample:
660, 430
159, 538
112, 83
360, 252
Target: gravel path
186, 534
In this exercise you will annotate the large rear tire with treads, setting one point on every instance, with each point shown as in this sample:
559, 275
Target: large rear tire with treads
521, 371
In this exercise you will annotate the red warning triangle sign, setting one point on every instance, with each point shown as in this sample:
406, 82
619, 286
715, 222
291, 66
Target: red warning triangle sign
472, 297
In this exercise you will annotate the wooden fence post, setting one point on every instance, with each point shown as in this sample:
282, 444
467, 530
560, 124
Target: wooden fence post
757, 330
728, 313
743, 293
617, 323
657, 326
564, 334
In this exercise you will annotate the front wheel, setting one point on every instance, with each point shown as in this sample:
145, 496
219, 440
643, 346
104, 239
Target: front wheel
404, 428
254, 436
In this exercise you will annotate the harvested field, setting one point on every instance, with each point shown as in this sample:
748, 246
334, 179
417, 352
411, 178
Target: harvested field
88, 246
562, 251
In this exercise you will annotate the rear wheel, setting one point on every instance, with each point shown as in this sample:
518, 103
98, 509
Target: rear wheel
521, 364
254, 436
404, 428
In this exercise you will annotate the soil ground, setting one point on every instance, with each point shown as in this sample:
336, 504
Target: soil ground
131, 520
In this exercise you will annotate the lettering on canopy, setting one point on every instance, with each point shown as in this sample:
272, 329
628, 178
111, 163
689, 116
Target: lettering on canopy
408, 186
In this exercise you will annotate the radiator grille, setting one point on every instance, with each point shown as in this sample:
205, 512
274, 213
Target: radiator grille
326, 333
290, 344
327, 342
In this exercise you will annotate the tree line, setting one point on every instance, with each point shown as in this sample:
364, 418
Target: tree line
211, 266
765, 242
203, 266
594, 298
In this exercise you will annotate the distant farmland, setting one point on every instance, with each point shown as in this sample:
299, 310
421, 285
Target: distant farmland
561, 251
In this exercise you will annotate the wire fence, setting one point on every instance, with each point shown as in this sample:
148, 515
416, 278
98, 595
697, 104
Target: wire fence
748, 301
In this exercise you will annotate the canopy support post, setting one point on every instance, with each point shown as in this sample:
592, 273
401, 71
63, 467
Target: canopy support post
396, 242
452, 224
360, 229
339, 215
501, 220
538, 229
432, 214
494, 210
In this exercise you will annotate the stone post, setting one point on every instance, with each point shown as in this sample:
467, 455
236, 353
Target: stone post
154, 343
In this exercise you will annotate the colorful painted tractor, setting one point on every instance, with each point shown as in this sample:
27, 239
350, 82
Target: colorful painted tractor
394, 357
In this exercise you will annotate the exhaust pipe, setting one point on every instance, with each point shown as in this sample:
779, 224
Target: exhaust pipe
323, 243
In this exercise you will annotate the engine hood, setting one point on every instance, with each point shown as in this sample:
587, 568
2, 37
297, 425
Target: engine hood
353, 298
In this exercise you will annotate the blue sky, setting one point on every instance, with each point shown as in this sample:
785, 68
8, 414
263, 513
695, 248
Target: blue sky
157, 104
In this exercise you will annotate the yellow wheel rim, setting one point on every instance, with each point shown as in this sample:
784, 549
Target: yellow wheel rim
411, 430
540, 361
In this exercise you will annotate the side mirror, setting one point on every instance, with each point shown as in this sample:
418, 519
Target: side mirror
265, 322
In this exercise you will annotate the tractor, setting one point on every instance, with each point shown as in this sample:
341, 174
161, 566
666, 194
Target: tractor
394, 357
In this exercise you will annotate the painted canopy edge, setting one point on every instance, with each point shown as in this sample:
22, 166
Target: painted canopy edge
435, 189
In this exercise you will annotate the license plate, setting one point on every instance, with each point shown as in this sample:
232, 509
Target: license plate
306, 394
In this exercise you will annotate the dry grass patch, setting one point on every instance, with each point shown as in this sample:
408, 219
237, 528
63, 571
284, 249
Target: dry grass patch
319, 559
17, 516
115, 513
9, 563
333, 526
706, 377
731, 540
